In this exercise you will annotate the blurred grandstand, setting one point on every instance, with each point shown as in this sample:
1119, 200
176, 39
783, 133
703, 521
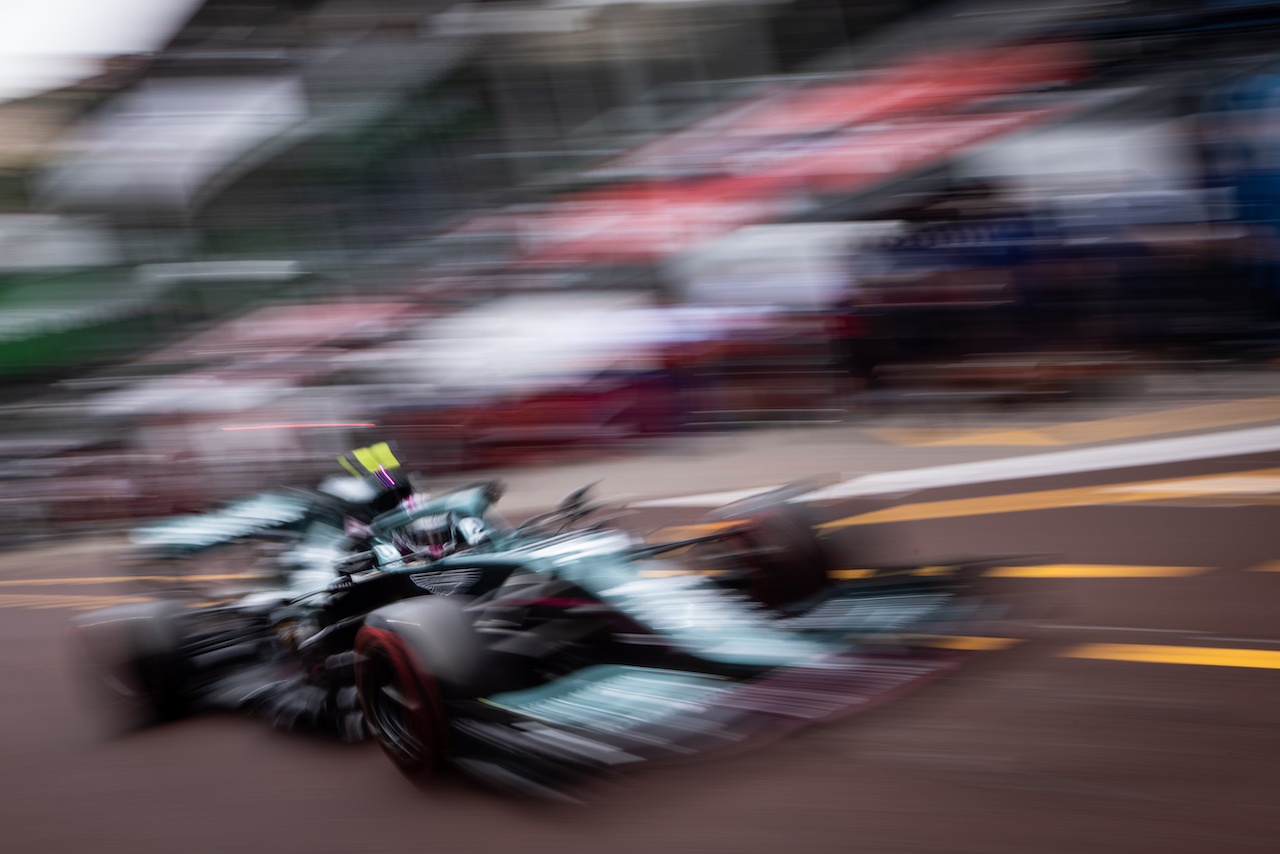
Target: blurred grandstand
502, 230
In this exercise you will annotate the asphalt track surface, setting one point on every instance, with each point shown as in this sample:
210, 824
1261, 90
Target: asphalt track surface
1057, 744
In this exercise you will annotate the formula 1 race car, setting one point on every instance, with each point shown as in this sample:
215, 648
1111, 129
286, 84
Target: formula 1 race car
536, 657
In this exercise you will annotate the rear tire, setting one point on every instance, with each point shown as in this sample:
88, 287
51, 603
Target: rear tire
131, 663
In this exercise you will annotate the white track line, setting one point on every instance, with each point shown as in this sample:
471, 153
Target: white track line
710, 499
1128, 455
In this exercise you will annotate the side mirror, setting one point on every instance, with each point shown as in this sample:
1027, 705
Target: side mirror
576, 499
472, 530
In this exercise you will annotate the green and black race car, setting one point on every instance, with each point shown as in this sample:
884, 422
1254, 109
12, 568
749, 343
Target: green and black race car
535, 657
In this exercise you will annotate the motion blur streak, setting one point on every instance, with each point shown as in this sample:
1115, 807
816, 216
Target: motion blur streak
116, 579
1088, 571
79, 603
925, 354
1264, 658
1241, 487
293, 426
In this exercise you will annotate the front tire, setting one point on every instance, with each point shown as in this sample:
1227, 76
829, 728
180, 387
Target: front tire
412, 658
773, 558
402, 705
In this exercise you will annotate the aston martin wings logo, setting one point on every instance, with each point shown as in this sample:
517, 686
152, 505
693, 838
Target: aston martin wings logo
447, 582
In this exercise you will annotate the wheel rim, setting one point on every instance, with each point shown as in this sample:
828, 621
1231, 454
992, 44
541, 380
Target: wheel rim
390, 708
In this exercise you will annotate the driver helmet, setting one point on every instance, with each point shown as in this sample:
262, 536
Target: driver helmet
436, 534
